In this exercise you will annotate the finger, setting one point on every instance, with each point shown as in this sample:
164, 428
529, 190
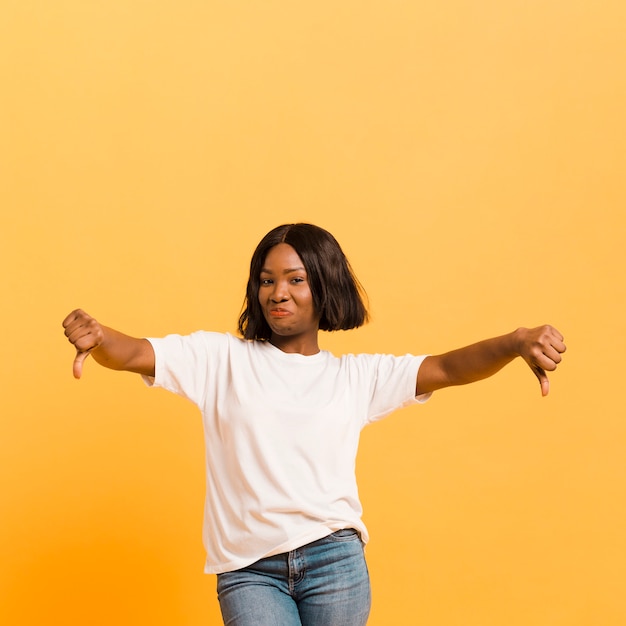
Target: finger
557, 340
543, 380
544, 356
84, 340
77, 367
73, 316
84, 334
557, 345
77, 327
556, 334
550, 358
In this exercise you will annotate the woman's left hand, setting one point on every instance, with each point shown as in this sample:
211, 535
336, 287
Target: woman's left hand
541, 348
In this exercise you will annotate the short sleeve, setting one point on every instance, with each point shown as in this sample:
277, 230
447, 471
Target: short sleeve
183, 363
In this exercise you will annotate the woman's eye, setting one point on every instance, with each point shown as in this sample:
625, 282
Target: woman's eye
266, 281
297, 280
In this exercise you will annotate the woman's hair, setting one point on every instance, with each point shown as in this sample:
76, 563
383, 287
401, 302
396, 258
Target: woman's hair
338, 297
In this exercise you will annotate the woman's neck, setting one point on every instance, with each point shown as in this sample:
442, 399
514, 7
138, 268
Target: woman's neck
306, 346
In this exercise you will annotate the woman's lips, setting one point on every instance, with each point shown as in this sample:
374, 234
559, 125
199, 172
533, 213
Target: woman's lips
279, 313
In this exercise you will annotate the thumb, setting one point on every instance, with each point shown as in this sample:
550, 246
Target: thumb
77, 367
543, 380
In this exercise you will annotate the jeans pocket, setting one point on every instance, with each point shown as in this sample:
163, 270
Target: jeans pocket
345, 534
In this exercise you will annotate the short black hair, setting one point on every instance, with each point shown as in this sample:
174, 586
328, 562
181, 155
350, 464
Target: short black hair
338, 297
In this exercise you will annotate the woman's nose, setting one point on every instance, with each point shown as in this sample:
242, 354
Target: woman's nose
280, 293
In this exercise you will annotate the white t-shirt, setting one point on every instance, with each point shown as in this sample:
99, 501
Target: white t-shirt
281, 433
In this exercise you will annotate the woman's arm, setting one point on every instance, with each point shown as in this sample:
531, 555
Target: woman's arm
540, 347
108, 347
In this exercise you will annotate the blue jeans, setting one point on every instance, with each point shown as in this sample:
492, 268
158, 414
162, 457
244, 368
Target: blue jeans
324, 583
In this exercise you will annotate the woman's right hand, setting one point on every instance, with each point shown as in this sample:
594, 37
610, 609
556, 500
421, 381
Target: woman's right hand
85, 334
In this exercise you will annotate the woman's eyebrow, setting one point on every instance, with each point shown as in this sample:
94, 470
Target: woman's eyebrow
264, 270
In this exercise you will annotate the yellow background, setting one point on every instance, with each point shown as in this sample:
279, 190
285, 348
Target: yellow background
470, 158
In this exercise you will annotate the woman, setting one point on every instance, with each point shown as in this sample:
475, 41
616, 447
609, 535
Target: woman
283, 529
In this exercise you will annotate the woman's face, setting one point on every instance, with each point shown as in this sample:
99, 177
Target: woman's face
286, 301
